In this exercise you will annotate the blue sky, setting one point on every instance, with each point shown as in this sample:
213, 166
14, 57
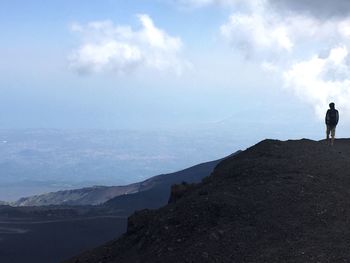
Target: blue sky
181, 65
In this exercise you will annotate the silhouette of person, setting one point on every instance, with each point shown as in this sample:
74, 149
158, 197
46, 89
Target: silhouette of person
332, 118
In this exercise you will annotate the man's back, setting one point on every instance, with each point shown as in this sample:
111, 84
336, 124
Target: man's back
332, 117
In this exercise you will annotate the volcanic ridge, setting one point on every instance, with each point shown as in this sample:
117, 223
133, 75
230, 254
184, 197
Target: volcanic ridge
275, 202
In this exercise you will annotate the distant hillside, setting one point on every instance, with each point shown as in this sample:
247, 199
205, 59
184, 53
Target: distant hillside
275, 202
157, 189
155, 192
51, 233
85, 196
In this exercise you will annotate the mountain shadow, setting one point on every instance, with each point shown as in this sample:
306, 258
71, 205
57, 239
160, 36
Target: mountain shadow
275, 202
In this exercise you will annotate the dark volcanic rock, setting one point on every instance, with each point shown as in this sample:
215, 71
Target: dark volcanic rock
179, 190
275, 202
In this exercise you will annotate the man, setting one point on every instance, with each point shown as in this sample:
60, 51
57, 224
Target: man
332, 118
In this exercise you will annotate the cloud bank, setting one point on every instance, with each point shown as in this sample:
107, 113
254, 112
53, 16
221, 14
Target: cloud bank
306, 43
107, 47
318, 8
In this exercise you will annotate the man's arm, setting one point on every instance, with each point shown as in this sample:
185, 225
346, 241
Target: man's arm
337, 119
327, 118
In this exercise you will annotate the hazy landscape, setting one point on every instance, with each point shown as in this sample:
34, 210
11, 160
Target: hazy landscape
39, 161
174, 131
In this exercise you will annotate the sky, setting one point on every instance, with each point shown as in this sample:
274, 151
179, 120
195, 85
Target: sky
261, 65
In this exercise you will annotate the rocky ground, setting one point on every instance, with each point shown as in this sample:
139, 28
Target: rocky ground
275, 202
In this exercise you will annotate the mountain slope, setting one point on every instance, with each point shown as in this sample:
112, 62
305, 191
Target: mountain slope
85, 196
155, 192
275, 202
100, 194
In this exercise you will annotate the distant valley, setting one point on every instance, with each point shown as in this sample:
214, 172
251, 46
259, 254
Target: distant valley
36, 161
98, 195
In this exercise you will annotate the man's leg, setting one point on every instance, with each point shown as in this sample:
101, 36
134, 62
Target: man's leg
333, 135
328, 131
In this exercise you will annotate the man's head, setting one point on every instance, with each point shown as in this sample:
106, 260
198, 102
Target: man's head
332, 105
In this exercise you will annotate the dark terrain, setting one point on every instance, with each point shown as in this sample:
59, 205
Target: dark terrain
49, 234
275, 202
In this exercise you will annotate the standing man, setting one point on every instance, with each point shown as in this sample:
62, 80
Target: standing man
332, 118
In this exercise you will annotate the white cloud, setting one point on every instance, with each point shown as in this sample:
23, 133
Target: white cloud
304, 43
120, 49
309, 54
256, 33
322, 80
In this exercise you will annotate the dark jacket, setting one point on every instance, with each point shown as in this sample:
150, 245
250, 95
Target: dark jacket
332, 117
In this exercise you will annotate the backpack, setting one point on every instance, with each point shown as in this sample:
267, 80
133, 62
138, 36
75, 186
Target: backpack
332, 117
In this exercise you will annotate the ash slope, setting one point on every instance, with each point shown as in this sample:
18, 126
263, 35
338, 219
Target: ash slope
275, 202
152, 193
95, 195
